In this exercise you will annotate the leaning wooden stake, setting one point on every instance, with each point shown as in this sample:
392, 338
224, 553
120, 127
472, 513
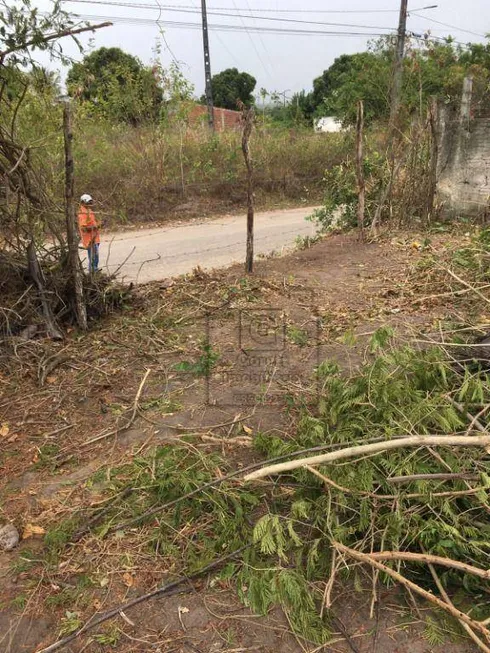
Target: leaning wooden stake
361, 185
248, 117
75, 269
367, 449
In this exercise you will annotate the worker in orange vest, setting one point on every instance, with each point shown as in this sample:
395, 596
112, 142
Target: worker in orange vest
89, 231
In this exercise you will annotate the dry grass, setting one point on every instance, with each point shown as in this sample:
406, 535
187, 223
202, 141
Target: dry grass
148, 173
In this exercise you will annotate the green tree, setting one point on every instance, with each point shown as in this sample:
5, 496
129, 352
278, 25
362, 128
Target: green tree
431, 69
117, 85
302, 108
230, 86
352, 77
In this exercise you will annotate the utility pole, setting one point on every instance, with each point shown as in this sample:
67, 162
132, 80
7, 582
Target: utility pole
283, 93
207, 65
398, 63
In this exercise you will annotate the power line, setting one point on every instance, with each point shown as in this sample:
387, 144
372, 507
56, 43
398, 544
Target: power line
225, 47
218, 37
190, 10
285, 11
459, 29
224, 27
261, 39
442, 39
266, 70
162, 34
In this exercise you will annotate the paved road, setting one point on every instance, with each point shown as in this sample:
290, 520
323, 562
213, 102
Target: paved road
156, 254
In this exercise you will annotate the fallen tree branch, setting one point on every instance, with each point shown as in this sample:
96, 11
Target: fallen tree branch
432, 559
47, 367
432, 477
481, 645
241, 441
474, 421
94, 519
140, 599
367, 449
130, 422
468, 285
211, 427
367, 558
52, 37
374, 495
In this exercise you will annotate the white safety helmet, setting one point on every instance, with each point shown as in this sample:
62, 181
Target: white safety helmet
86, 199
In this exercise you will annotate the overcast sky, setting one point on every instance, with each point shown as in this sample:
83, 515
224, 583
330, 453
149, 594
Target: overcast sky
278, 61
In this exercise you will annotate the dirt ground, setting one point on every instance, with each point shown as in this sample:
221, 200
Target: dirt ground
72, 410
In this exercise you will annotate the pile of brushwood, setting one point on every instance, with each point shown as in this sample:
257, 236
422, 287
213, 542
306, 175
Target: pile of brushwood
30, 310
399, 483
42, 283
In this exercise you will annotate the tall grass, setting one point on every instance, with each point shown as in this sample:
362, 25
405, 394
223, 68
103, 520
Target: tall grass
156, 172
152, 173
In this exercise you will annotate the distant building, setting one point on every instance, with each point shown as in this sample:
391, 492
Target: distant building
327, 124
224, 119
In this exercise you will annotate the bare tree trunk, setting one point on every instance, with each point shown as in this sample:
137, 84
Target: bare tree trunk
361, 185
248, 117
74, 266
37, 276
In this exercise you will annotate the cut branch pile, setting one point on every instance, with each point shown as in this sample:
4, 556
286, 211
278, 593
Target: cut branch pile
403, 505
402, 494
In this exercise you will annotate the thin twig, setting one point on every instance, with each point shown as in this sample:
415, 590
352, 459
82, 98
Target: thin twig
432, 559
140, 599
365, 557
432, 477
327, 600
130, 422
474, 421
468, 285
212, 427
481, 645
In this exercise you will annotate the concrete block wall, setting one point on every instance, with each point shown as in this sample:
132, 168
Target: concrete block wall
463, 169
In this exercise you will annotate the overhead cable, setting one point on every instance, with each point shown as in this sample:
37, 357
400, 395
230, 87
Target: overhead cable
191, 10
459, 29
285, 11
225, 27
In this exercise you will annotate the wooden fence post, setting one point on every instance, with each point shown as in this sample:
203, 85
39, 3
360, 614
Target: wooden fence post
361, 185
74, 266
248, 118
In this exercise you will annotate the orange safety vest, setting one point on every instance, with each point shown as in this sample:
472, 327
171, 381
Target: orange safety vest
87, 224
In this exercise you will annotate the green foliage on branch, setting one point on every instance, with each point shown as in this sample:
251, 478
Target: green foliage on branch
403, 392
24, 30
